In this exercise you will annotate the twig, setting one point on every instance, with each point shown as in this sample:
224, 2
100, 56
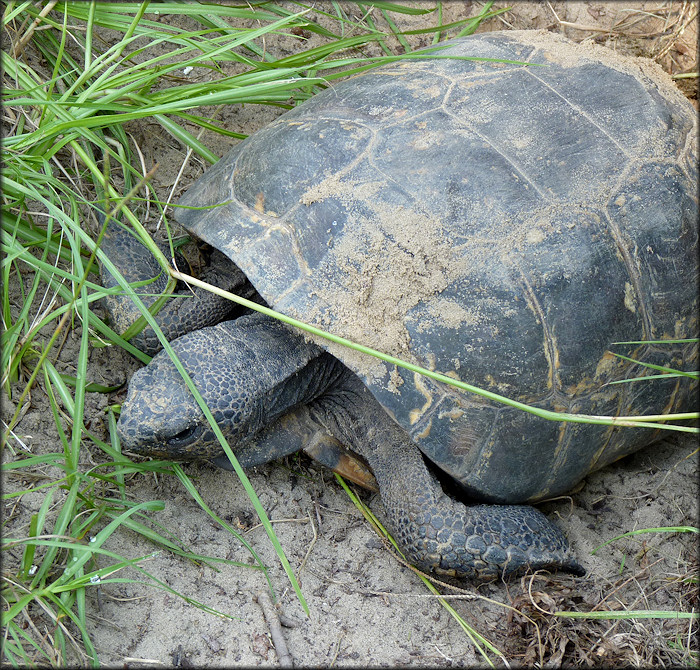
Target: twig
273, 623
311, 545
318, 516
582, 26
35, 24
337, 650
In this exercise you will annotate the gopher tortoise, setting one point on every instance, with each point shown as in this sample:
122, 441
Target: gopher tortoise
501, 223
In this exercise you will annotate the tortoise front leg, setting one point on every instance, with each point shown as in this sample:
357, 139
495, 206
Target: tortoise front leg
437, 532
187, 310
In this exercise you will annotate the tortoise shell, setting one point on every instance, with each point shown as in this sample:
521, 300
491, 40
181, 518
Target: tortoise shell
502, 223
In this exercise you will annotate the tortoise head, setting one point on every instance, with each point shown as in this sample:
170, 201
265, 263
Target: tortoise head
160, 417
249, 371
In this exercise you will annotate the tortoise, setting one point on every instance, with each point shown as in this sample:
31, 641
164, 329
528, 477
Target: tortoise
501, 223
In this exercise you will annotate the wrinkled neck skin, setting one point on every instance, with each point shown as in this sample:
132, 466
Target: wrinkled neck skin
267, 386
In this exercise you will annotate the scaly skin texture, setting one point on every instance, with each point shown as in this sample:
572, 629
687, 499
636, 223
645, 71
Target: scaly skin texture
436, 531
188, 310
253, 371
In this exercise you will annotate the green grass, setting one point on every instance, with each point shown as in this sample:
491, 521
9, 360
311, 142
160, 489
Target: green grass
75, 75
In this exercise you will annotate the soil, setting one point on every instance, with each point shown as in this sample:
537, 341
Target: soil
365, 607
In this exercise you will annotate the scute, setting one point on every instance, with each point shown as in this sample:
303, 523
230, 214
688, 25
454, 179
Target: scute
501, 223
291, 156
660, 232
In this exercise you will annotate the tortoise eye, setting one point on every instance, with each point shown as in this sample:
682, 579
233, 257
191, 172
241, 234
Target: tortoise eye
186, 436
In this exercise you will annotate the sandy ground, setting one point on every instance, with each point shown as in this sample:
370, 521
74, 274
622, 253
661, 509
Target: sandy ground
365, 607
